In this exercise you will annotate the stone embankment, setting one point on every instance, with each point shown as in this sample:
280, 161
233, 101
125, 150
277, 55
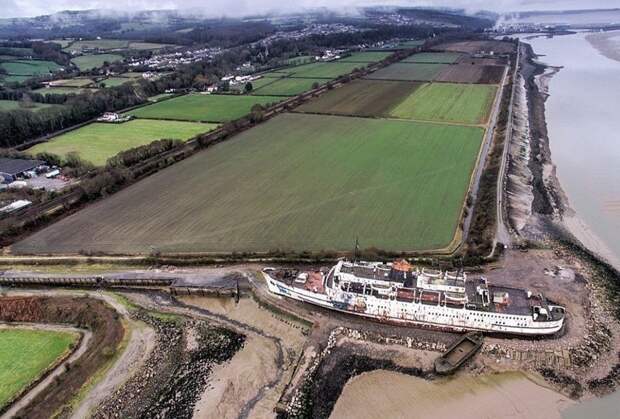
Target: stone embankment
331, 368
173, 377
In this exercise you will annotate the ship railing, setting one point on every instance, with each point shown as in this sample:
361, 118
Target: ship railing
429, 297
431, 272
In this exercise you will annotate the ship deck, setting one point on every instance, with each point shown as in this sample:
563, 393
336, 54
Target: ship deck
518, 303
368, 272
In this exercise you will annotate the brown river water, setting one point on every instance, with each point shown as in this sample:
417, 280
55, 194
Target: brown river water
386, 394
583, 119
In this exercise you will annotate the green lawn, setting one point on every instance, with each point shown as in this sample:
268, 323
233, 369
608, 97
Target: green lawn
208, 108
88, 62
25, 354
295, 182
448, 102
433, 57
365, 57
286, 87
98, 142
408, 72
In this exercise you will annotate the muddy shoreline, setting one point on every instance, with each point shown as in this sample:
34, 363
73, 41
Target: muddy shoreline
549, 216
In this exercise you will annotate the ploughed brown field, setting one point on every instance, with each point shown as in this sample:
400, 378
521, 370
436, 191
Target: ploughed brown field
467, 59
473, 47
467, 73
362, 98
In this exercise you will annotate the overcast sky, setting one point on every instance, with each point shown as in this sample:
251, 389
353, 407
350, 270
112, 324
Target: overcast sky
19, 8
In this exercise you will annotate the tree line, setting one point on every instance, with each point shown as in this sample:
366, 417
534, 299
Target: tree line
40, 50
20, 126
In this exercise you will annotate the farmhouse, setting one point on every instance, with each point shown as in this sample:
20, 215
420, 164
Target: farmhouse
113, 117
11, 169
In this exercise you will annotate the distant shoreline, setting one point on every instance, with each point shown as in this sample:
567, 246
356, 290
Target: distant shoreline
607, 43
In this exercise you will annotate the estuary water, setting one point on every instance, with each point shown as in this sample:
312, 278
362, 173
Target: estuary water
583, 121
386, 394
583, 118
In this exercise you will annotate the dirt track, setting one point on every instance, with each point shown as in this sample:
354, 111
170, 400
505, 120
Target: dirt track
139, 347
107, 332
28, 397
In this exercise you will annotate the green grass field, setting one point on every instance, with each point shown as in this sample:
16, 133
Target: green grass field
448, 102
147, 45
11, 105
433, 57
25, 354
408, 72
330, 70
132, 74
159, 97
304, 59
411, 44
258, 83
365, 57
62, 42
209, 108
286, 87
361, 98
76, 82
102, 44
17, 51
295, 182
13, 79
276, 74
30, 67
112, 44
98, 142
88, 62
116, 81
63, 90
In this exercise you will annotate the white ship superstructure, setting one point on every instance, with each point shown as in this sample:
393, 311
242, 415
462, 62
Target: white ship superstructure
398, 293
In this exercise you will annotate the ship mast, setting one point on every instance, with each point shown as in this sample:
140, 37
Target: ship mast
356, 250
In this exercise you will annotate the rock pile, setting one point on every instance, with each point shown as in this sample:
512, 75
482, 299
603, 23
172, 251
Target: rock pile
607, 384
572, 387
173, 377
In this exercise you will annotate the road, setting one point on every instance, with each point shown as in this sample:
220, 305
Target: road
502, 234
484, 154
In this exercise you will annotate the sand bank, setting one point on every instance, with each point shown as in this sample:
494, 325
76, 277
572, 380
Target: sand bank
395, 395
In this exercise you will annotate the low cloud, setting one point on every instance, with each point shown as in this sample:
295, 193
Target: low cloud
21, 8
